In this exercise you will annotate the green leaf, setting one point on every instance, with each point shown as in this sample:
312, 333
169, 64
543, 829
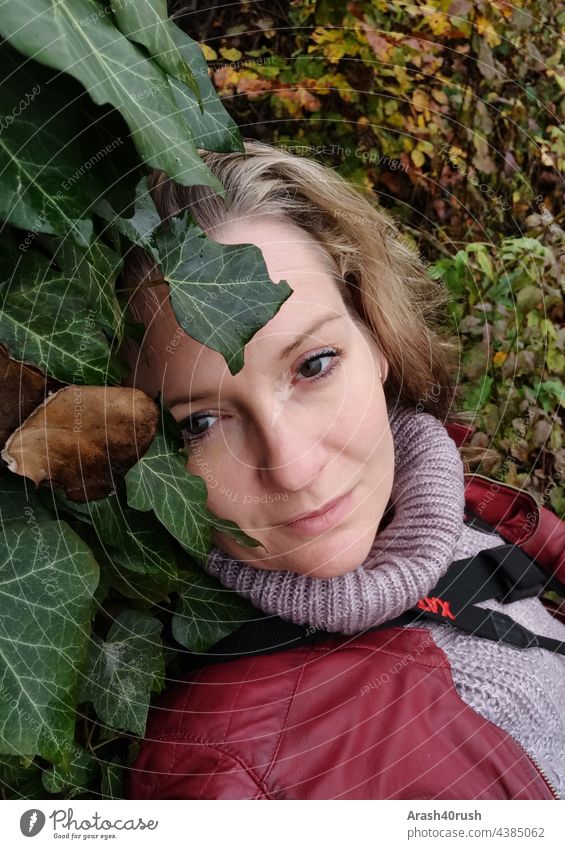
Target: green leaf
206, 612
112, 780
476, 395
82, 769
221, 294
136, 541
97, 268
551, 394
47, 579
19, 500
138, 227
76, 38
123, 670
47, 182
53, 319
20, 778
213, 128
160, 482
147, 22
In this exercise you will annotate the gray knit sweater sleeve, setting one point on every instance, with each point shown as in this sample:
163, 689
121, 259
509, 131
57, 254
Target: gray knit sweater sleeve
521, 691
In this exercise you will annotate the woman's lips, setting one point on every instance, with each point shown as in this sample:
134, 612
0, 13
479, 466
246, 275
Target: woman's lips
320, 521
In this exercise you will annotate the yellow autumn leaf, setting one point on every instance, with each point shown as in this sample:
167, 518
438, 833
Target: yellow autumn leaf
209, 53
334, 52
417, 157
420, 100
485, 28
323, 36
438, 23
440, 96
500, 358
231, 54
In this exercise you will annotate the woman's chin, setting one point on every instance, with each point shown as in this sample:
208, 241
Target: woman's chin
327, 556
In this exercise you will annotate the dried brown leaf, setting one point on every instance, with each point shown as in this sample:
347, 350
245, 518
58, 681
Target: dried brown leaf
82, 437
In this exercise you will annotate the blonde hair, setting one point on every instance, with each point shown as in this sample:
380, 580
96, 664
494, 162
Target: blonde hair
383, 281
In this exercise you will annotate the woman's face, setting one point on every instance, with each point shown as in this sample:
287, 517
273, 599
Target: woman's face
295, 429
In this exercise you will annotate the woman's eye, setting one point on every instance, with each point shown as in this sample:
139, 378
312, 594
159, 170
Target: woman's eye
192, 427
312, 365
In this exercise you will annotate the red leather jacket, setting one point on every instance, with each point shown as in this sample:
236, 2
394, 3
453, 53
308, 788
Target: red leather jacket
304, 724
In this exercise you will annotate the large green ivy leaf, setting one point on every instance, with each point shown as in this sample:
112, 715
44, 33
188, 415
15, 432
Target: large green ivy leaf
123, 670
212, 129
206, 612
76, 38
160, 482
47, 579
147, 22
56, 320
44, 184
221, 294
96, 267
136, 540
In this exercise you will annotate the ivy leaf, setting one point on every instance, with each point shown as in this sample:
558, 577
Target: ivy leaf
136, 540
48, 319
147, 22
123, 670
44, 184
206, 612
19, 501
96, 267
20, 778
112, 779
160, 482
139, 227
221, 294
82, 769
213, 128
47, 579
76, 39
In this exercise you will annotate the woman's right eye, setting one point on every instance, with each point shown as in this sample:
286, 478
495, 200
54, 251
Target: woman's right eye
189, 427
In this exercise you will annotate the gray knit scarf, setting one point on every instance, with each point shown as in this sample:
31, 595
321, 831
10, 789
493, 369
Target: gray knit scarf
407, 557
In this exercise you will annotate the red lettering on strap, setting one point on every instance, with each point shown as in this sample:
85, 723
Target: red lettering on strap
432, 603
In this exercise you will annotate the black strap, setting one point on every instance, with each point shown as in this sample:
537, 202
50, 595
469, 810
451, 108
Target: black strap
505, 573
491, 625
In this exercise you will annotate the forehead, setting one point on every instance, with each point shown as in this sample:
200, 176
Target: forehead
177, 364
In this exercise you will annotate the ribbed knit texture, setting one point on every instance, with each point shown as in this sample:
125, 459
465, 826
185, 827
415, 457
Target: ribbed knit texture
523, 692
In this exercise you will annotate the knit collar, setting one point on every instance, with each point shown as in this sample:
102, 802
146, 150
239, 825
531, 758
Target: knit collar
407, 557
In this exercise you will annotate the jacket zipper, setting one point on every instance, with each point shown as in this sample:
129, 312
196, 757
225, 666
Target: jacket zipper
540, 770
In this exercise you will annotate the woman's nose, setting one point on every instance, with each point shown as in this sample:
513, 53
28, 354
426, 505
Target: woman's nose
290, 451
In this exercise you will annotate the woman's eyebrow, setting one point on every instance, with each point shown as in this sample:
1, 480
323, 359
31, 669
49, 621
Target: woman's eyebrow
284, 354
